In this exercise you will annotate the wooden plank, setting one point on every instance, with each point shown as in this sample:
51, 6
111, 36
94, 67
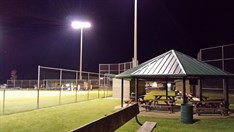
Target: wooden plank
147, 127
111, 122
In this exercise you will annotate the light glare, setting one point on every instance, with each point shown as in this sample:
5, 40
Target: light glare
79, 24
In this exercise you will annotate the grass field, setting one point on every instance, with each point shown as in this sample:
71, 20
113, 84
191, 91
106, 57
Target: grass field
25, 100
67, 117
62, 118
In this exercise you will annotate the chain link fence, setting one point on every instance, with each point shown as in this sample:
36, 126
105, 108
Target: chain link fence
55, 86
221, 57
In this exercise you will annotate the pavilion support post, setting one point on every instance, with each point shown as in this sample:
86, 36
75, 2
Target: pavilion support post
122, 91
184, 91
200, 87
226, 93
136, 89
166, 88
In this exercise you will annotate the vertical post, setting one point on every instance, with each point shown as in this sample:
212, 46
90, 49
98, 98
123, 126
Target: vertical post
38, 85
98, 91
135, 35
14, 83
81, 46
166, 88
60, 84
76, 86
107, 86
88, 94
223, 67
136, 89
104, 88
99, 79
226, 93
88, 83
122, 90
200, 89
21, 84
184, 91
3, 103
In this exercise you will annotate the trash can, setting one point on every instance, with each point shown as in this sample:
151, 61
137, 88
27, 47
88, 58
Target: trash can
186, 113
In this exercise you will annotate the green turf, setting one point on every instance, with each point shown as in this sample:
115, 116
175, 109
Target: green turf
64, 118
175, 125
57, 119
19, 101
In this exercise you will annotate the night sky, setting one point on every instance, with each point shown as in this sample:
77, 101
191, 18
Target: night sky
38, 32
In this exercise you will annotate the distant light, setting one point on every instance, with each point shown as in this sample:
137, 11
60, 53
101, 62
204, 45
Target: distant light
168, 85
67, 85
80, 24
155, 84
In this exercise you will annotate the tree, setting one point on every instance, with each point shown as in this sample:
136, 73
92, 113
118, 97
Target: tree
14, 75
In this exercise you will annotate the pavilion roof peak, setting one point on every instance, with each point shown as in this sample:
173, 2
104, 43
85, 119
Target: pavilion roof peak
173, 63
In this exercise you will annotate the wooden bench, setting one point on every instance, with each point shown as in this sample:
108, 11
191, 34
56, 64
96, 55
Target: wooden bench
112, 122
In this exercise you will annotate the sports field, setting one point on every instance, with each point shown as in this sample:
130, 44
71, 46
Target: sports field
13, 101
64, 118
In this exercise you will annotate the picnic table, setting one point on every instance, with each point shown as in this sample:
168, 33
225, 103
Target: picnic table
212, 106
159, 102
158, 97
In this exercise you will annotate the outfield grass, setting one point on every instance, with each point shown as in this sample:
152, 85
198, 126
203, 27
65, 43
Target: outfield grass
67, 117
26, 100
174, 125
57, 119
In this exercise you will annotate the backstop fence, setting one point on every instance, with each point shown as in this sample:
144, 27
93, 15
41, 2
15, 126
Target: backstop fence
54, 86
221, 57
107, 71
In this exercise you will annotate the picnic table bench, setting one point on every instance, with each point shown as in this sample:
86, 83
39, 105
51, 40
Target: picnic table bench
210, 107
159, 103
112, 122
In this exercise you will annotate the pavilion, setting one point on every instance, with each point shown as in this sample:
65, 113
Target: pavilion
175, 65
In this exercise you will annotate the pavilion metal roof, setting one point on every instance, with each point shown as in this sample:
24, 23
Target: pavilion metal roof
173, 64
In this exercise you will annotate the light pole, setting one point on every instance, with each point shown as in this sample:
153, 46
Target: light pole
80, 25
135, 62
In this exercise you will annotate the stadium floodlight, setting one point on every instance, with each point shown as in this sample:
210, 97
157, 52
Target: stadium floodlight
80, 25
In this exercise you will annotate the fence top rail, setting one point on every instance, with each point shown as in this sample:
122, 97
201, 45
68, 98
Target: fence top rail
218, 59
53, 68
117, 63
217, 47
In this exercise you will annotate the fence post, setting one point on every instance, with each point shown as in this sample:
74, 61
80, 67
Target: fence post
98, 90
60, 84
3, 103
38, 85
76, 86
88, 93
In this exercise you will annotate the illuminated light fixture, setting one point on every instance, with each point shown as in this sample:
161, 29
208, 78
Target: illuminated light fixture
80, 24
